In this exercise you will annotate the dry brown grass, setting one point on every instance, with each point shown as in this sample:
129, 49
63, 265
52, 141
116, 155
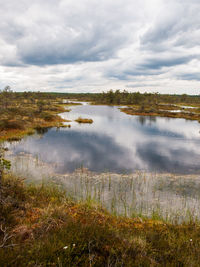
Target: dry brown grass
41, 227
149, 111
82, 120
23, 116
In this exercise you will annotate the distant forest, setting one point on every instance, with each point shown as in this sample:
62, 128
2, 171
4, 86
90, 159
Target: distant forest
126, 98
110, 97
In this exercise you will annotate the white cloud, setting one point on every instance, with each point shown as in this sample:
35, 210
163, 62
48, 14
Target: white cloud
90, 45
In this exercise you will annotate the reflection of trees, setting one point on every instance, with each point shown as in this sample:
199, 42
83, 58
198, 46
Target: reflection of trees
41, 130
144, 119
152, 119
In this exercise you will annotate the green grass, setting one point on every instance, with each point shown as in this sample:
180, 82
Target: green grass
49, 229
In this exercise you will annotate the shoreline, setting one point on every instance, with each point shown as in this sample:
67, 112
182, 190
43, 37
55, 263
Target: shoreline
138, 193
47, 228
37, 124
57, 120
161, 113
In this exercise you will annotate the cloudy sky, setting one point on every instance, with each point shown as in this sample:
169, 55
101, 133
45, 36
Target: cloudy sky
92, 45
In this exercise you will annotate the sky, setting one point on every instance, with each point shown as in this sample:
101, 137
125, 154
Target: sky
95, 46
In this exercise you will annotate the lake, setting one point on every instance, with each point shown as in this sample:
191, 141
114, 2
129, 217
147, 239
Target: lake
129, 164
117, 142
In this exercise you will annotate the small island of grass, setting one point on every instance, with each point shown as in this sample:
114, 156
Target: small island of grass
82, 120
170, 111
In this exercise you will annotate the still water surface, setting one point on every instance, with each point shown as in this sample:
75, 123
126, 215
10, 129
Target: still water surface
117, 142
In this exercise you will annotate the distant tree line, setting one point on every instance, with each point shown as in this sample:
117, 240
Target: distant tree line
110, 97
126, 98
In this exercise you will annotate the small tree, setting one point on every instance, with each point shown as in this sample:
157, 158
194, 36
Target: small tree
7, 89
6, 95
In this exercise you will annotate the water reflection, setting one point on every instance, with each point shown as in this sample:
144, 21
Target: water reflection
118, 142
146, 119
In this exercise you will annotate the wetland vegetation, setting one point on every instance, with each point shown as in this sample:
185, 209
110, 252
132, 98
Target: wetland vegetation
163, 111
40, 226
24, 113
147, 104
93, 218
84, 120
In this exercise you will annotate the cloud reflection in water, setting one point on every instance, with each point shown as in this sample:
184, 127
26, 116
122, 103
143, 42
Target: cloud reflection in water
118, 142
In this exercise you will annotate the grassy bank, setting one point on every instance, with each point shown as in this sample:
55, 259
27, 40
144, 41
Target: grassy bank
41, 227
23, 114
170, 111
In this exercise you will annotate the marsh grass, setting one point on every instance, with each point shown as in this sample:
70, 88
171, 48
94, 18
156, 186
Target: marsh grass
50, 229
176, 198
24, 114
142, 194
163, 110
84, 120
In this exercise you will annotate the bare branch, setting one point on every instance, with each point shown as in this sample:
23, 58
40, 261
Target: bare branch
6, 238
